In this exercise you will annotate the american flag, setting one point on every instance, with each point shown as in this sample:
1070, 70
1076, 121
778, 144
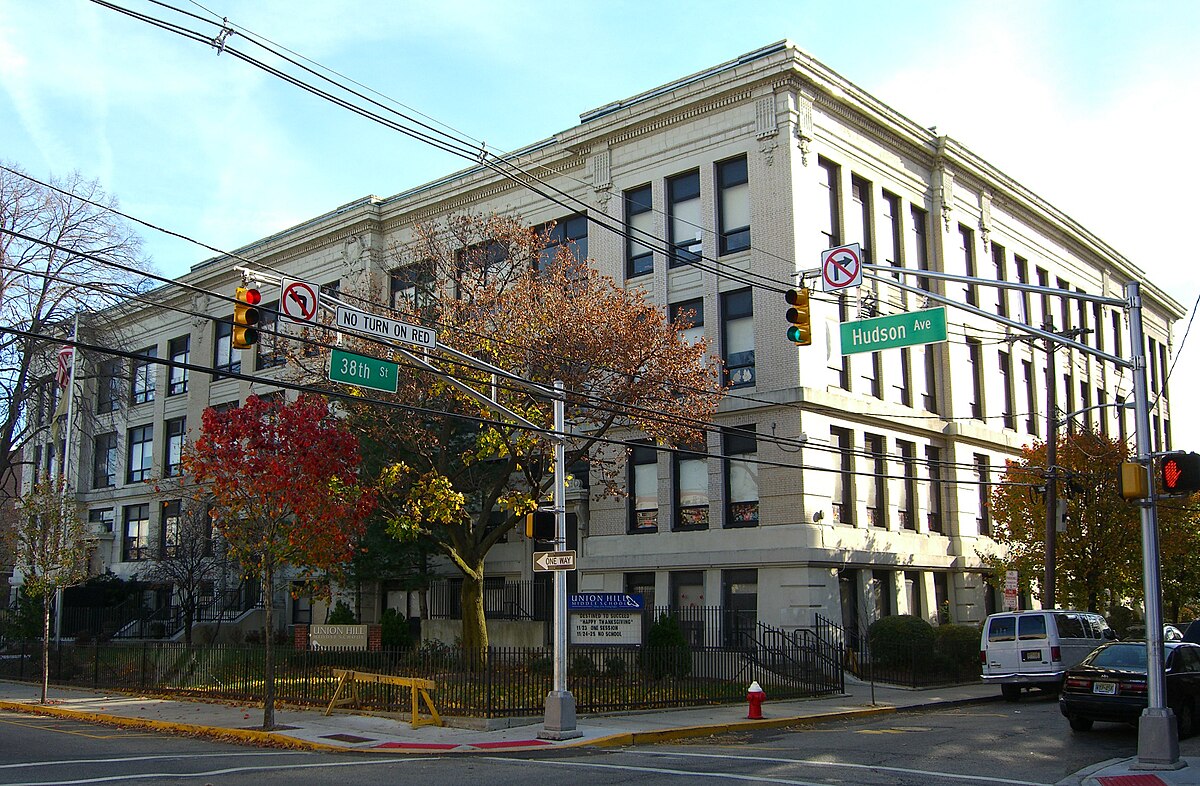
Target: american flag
63, 377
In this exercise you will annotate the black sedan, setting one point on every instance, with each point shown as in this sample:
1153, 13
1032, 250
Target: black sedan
1110, 685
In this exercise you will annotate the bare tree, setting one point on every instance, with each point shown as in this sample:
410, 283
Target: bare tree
59, 247
52, 550
191, 559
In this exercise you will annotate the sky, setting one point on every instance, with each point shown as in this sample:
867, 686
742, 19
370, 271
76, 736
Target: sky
1090, 104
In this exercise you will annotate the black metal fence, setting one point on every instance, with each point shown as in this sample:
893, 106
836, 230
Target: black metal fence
514, 682
908, 664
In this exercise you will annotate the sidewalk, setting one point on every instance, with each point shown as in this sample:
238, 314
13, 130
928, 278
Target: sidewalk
345, 731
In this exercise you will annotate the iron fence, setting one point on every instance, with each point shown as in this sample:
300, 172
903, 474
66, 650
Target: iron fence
514, 682
906, 663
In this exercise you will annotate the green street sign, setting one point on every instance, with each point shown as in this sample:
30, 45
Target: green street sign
897, 330
351, 369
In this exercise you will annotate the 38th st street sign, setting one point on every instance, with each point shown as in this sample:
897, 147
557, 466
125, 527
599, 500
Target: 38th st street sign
897, 330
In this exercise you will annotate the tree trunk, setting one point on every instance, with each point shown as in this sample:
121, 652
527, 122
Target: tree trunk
45, 647
474, 623
269, 665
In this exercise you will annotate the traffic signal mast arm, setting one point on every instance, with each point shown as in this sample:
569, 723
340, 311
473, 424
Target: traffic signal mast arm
885, 273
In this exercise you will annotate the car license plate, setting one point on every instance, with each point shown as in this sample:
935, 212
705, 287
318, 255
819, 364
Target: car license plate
1031, 655
1106, 688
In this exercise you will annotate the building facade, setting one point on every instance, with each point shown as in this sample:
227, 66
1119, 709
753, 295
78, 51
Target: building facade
847, 486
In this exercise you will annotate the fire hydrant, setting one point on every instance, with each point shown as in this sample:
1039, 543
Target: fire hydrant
756, 697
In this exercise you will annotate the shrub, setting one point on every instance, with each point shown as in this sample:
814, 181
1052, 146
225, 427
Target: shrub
541, 665
615, 666
667, 651
582, 665
393, 630
1121, 619
341, 614
900, 640
959, 646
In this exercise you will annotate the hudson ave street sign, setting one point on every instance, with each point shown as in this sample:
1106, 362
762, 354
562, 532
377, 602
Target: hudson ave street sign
351, 369
897, 330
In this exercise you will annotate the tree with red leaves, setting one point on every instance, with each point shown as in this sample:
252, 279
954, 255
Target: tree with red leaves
283, 483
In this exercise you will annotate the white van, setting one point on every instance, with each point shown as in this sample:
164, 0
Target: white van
1035, 648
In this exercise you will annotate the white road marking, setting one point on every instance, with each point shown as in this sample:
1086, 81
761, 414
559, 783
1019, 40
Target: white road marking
228, 771
876, 768
160, 756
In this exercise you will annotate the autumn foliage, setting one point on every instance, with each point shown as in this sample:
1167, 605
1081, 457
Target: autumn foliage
283, 483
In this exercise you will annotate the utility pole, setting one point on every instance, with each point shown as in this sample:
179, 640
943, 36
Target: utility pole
1048, 580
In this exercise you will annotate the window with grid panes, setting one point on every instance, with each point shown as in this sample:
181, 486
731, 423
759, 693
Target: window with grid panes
142, 377
733, 205
179, 350
643, 488
639, 225
684, 222
740, 448
737, 337
690, 480
141, 454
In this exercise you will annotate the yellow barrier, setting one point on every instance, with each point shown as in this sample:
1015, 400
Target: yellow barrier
420, 688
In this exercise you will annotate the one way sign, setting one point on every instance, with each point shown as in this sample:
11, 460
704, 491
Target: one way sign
544, 561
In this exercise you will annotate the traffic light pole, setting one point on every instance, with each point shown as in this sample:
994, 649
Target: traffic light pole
1158, 736
560, 704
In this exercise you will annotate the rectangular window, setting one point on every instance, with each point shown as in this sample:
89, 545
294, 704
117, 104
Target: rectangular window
1068, 386
570, 233
1031, 398
1064, 305
691, 312
929, 397
225, 357
168, 535
733, 205
933, 463
1006, 386
100, 521
271, 349
639, 222
1001, 274
1151, 355
828, 175
1043, 280
1102, 403
908, 490
862, 226
176, 434
841, 362
740, 447
142, 377
1085, 404
983, 473
141, 454
108, 387
877, 484
874, 374
920, 242
1118, 343
905, 386
1081, 314
1098, 321
683, 218
966, 253
1022, 266
180, 351
975, 357
890, 240
843, 481
691, 488
410, 288
136, 545
104, 460
643, 488
737, 337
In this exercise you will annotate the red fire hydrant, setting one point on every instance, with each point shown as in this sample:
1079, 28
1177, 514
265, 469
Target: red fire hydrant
756, 697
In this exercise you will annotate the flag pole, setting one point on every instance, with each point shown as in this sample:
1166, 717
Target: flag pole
69, 392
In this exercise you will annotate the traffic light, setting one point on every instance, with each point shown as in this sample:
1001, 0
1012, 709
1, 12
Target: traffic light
800, 333
245, 317
1181, 472
540, 525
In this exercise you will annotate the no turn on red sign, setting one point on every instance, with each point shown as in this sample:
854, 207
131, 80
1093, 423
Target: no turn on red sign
841, 267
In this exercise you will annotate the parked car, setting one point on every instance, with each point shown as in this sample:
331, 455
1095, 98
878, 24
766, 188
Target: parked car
1110, 685
1035, 648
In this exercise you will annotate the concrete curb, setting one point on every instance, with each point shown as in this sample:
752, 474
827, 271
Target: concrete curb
707, 730
255, 736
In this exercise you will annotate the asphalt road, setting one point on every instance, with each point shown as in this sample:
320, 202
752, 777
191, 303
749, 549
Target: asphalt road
998, 743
